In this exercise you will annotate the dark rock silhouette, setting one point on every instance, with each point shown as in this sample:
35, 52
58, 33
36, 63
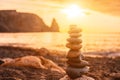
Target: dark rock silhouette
54, 26
13, 21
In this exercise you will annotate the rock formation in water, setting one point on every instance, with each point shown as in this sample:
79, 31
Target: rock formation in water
12, 21
54, 26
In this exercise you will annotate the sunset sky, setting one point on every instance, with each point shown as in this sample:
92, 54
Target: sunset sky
104, 15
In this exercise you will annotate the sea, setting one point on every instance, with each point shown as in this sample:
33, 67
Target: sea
91, 42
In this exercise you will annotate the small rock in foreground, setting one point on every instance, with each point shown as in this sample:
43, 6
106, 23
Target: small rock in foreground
66, 77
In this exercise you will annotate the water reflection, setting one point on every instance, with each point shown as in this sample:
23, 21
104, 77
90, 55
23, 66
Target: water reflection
91, 42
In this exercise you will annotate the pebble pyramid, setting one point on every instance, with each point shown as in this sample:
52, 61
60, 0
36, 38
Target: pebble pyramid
76, 65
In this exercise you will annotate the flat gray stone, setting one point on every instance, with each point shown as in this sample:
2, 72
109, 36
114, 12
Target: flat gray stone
76, 72
80, 64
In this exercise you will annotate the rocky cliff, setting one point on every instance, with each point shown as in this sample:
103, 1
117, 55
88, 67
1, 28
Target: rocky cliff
12, 21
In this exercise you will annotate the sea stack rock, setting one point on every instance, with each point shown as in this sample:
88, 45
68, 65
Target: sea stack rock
76, 65
54, 26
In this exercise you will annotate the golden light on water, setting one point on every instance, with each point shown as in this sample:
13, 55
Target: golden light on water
73, 11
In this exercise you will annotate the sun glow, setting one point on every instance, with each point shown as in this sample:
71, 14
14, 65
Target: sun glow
73, 11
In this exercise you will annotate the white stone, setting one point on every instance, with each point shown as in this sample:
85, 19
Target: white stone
85, 78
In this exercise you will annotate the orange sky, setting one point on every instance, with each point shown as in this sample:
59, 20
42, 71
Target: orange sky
104, 14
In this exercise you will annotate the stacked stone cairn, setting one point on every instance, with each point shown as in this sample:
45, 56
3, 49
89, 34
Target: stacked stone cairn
76, 66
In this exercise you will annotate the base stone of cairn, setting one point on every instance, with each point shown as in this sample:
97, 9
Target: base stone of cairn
76, 66
83, 77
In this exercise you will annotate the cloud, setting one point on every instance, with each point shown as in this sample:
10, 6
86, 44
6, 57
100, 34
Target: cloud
105, 6
111, 7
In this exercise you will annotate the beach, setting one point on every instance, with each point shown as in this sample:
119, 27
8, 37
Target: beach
101, 68
59, 40
102, 51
